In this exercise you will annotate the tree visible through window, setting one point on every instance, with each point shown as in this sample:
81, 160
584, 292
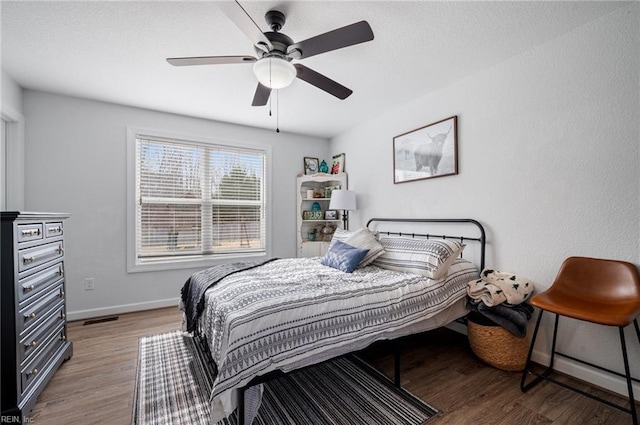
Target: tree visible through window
198, 199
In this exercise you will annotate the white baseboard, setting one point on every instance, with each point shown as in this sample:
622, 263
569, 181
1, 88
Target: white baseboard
120, 309
588, 374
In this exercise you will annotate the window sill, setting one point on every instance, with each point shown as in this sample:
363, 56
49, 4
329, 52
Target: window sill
192, 262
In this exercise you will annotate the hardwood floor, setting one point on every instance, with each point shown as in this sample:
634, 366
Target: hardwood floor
96, 386
440, 368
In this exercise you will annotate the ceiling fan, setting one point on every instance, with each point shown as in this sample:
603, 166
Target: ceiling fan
275, 51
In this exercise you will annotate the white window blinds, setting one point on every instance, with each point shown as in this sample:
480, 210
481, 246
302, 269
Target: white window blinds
198, 199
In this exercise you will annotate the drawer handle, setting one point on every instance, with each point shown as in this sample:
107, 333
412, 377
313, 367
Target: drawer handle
33, 372
31, 345
63, 337
61, 294
63, 316
28, 260
29, 288
61, 271
31, 232
60, 249
29, 316
55, 229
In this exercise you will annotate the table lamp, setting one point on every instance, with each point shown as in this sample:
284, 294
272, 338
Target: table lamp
344, 200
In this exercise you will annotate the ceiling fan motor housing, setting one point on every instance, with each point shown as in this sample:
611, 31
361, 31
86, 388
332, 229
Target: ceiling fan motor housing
280, 44
275, 19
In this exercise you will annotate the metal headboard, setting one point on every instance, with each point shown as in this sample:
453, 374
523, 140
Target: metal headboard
482, 239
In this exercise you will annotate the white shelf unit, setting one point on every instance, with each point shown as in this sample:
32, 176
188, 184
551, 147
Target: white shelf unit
318, 183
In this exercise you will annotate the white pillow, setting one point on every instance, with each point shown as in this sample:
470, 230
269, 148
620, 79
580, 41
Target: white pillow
426, 257
340, 235
364, 239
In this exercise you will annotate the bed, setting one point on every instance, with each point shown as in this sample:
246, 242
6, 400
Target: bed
258, 320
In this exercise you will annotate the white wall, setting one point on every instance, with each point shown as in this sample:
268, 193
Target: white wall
76, 152
11, 113
11, 94
549, 162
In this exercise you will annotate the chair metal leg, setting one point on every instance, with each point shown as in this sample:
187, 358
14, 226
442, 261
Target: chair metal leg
527, 370
632, 400
553, 344
545, 375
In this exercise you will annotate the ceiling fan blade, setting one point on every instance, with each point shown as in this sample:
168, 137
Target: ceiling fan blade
210, 60
359, 32
244, 22
323, 83
262, 95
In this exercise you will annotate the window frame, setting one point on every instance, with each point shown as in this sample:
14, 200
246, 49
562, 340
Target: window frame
135, 264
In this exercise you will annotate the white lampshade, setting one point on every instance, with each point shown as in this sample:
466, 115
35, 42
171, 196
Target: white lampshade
343, 200
274, 72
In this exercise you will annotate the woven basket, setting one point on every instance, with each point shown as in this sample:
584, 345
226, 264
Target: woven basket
498, 347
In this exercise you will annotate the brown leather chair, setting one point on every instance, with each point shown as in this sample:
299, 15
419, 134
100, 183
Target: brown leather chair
605, 292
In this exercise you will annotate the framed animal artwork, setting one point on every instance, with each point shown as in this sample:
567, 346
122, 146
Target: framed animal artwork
426, 152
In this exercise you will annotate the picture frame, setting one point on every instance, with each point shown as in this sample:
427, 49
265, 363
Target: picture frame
311, 165
328, 190
331, 215
426, 152
338, 164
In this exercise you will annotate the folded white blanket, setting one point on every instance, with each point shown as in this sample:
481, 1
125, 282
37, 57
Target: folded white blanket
494, 288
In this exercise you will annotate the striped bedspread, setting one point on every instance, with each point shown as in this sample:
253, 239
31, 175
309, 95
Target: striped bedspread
294, 312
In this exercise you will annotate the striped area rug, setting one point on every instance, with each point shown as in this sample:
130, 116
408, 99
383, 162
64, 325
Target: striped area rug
174, 383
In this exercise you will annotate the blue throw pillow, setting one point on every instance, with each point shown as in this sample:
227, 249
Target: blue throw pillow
343, 257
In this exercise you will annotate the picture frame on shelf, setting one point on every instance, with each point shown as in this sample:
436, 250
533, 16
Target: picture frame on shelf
329, 189
338, 164
312, 215
311, 165
426, 152
331, 215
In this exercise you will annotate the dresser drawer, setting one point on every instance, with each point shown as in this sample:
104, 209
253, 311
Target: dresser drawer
34, 313
52, 230
31, 344
29, 232
40, 281
38, 365
32, 257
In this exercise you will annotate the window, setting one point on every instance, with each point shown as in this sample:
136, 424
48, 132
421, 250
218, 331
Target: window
196, 200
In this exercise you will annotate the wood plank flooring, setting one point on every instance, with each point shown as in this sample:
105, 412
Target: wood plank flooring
96, 386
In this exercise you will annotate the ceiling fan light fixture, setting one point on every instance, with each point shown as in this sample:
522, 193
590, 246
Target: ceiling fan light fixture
274, 72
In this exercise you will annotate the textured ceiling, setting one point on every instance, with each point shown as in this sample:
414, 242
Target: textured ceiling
115, 52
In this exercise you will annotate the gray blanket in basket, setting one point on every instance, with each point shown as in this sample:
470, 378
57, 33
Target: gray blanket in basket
513, 318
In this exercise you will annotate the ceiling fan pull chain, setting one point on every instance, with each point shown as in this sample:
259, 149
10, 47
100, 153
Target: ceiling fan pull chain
277, 111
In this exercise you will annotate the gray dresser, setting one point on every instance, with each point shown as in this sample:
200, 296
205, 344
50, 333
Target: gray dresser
33, 307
